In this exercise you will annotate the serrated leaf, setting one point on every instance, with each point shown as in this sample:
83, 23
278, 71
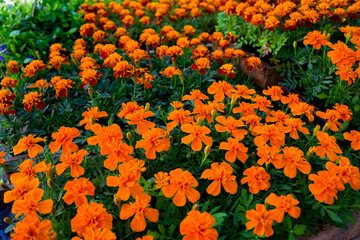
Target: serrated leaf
299, 229
219, 218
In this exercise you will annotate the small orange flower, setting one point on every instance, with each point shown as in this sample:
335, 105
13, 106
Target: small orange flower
129, 107
161, 179
90, 117
279, 117
39, 84
201, 64
346, 172
138, 118
118, 152
220, 89
29, 143
268, 155
316, 39
222, 175
2, 155
292, 125
196, 95
342, 54
327, 146
227, 70
344, 112
197, 136
232, 126
12, 67
294, 159
9, 82
354, 137
332, 116
139, 208
62, 86
261, 219
89, 77
325, 187
64, 137
73, 161
154, 141
33, 99
283, 204
262, 103
171, 71
252, 62
21, 187
33, 227
298, 109
28, 170
275, 92
77, 190
87, 29
33, 67
198, 225
181, 184
269, 132
57, 62
178, 116
108, 135
291, 99
257, 179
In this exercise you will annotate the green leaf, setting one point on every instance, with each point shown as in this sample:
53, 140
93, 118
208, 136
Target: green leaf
72, 30
219, 218
162, 229
322, 96
27, 60
171, 230
333, 215
14, 33
299, 229
155, 235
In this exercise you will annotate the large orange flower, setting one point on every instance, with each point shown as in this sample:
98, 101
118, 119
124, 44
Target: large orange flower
105, 135
29, 143
90, 117
283, 204
261, 219
269, 154
21, 187
139, 208
220, 89
138, 118
197, 136
293, 125
316, 39
294, 159
346, 172
269, 132
222, 175
64, 137
275, 92
118, 152
28, 170
178, 116
77, 190
72, 161
332, 116
195, 95
327, 146
257, 179
33, 227
181, 184
232, 126
198, 225
354, 137
234, 150
154, 141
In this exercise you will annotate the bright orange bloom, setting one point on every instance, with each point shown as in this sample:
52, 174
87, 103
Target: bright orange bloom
252, 62
346, 172
293, 125
2, 155
87, 29
21, 187
197, 136
161, 179
33, 67
294, 159
39, 84
90, 117
118, 152
301, 108
347, 73
261, 219
4, 109
201, 64
161, 51
123, 69
262, 103
220, 89
147, 79
154, 141
181, 184
275, 92
62, 86
64, 137
254, 122
97, 233
232, 126
283, 204
32, 227
171, 71
316, 39
105, 135
173, 53
178, 116
91, 216
29, 143
138, 118
129, 107
242, 91
137, 55
200, 52
269, 132
12, 67
57, 62
325, 187
245, 109
6, 96
342, 54
198, 225
227, 70
257, 179
28, 170
332, 116
344, 112
268, 155
196, 95
112, 60
9, 82
31, 204
327, 146
291, 99
222, 175
141, 210
33, 99
202, 111
89, 77
126, 181
279, 117
77, 190
73, 161
354, 137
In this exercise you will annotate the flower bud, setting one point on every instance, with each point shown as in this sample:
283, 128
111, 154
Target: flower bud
181, 76
8, 220
4, 186
167, 134
316, 129
171, 139
310, 153
53, 211
295, 44
50, 183
147, 107
233, 101
92, 121
129, 136
199, 121
90, 92
326, 126
213, 114
207, 150
117, 200
52, 235
195, 207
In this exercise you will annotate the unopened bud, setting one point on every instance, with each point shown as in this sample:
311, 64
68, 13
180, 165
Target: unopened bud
92, 121
52, 235
199, 121
129, 136
207, 150
55, 106
171, 139
117, 200
90, 92
310, 153
326, 126
4, 186
181, 76
213, 114
53, 211
316, 129
295, 44
147, 107
8, 220
233, 100
50, 183
328, 36
167, 134
195, 207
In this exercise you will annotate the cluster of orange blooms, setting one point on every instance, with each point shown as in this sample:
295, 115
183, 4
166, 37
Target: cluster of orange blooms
252, 116
291, 14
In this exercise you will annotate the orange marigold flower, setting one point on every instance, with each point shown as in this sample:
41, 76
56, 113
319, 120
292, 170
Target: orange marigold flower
254, 122
33, 227
181, 184
4, 109
161, 179
21, 187
332, 116
346, 172
269, 132
197, 136
354, 137
89, 77
141, 209
171, 71
325, 187
291, 99
294, 159
316, 39
97, 233
39, 84
29, 143
106, 50
327, 146
90, 117
242, 91
137, 55
228, 70
126, 181
64, 137
257, 179
200, 52
87, 29
154, 141
222, 175
91, 216
123, 69
28, 170
105, 135
278, 117
161, 51
2, 155
292, 125
173, 52
177, 104
342, 54
33, 67
57, 61
203, 111
9, 82
232, 126
344, 112
196, 95
77, 190
269, 154
262, 103
261, 219
112, 60
33, 99
31, 204
138, 118
198, 225
284, 204
178, 116
220, 89
99, 35
301, 108
12, 67
201, 64
275, 92
128, 108
62, 86
73, 161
